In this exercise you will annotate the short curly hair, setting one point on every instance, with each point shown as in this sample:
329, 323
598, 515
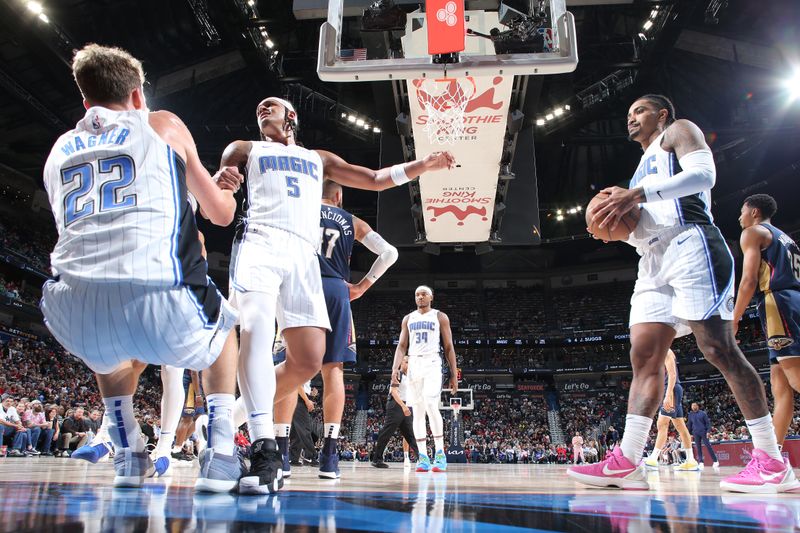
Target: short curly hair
764, 203
661, 102
105, 74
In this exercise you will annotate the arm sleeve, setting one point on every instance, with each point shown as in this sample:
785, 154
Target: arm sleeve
698, 174
387, 255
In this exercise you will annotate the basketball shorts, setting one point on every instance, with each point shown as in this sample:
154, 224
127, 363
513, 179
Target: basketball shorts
340, 342
677, 411
105, 324
685, 274
284, 266
424, 378
779, 312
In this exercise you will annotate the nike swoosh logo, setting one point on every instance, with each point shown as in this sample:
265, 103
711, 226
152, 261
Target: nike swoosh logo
684, 240
770, 477
659, 194
609, 472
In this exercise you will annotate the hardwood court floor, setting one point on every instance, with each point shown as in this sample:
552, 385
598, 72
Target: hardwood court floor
68, 495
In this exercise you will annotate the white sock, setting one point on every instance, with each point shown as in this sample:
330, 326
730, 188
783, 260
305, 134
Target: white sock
220, 423
689, 454
405, 456
332, 430
637, 428
655, 454
763, 433
282, 430
122, 426
239, 412
439, 442
177, 448
102, 435
172, 402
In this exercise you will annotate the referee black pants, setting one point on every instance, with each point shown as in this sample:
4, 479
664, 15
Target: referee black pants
300, 434
395, 419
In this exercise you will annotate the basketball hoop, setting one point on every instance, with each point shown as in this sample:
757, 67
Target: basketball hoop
445, 101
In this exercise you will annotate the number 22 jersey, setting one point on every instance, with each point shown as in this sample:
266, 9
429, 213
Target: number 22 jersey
120, 202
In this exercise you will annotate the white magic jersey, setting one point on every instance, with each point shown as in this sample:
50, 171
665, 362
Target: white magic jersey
283, 190
118, 194
423, 333
658, 165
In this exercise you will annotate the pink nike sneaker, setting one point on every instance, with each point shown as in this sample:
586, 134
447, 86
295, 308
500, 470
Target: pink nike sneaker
762, 475
615, 471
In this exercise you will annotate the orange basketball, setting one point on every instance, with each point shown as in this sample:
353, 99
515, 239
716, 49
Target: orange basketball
626, 225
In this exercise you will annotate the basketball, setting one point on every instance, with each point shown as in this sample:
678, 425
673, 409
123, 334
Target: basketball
626, 225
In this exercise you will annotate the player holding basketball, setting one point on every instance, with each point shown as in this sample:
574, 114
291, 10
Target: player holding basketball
422, 335
274, 270
130, 284
685, 276
771, 271
339, 229
671, 410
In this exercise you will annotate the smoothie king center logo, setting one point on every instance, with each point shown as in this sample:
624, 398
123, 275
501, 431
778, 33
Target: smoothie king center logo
461, 202
477, 109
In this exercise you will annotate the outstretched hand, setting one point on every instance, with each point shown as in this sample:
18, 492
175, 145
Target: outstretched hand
439, 160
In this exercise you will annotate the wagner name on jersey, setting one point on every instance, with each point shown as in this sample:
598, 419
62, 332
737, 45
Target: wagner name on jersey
658, 165
336, 245
121, 213
283, 190
423, 333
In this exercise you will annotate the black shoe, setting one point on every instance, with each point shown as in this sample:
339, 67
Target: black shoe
313, 462
296, 463
266, 474
379, 464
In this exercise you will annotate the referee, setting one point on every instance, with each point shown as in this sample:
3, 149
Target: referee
398, 415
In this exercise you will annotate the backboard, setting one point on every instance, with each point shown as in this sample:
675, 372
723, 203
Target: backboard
560, 53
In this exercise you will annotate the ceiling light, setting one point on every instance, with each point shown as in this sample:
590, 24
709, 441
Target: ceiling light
351, 118
559, 212
654, 13
376, 130
558, 111
560, 218
269, 43
567, 107
647, 25
35, 7
572, 211
366, 126
579, 208
251, 3
793, 85
540, 122
360, 122
549, 116
344, 115
44, 18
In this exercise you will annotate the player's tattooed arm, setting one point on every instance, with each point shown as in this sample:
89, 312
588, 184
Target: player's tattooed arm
400, 351
449, 349
683, 137
358, 177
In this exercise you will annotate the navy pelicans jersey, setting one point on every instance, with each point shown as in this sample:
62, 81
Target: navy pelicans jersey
658, 165
423, 333
336, 246
121, 206
283, 190
780, 263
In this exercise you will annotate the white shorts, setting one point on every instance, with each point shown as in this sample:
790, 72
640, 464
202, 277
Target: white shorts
285, 267
424, 378
106, 324
685, 274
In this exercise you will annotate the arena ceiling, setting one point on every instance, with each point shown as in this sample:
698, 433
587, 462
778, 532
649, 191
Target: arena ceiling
200, 63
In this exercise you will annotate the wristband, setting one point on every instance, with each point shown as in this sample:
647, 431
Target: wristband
398, 174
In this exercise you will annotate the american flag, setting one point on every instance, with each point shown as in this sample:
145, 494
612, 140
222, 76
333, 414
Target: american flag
353, 54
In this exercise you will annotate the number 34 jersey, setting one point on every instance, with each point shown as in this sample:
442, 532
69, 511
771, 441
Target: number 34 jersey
283, 190
119, 198
780, 263
423, 333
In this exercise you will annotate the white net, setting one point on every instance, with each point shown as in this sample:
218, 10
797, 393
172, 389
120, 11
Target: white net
445, 101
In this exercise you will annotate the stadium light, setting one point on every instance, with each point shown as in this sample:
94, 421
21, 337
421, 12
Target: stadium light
560, 218
647, 25
793, 85
579, 208
558, 111
376, 130
35, 8
540, 121
351, 118
559, 212
44, 18
549, 116
567, 107
269, 43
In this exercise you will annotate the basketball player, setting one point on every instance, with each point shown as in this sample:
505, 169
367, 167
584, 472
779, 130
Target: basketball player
685, 276
398, 416
274, 270
130, 285
771, 271
339, 229
422, 335
671, 410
